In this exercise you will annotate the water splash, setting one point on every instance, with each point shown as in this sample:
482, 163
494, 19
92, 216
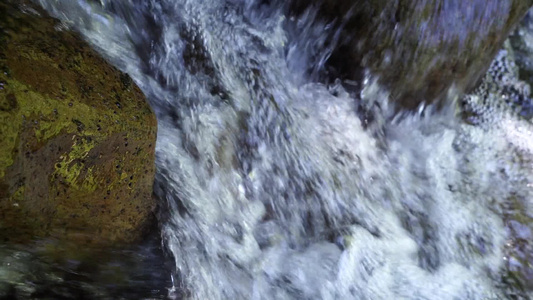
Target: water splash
274, 186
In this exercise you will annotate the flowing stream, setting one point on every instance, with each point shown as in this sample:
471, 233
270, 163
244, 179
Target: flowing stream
275, 186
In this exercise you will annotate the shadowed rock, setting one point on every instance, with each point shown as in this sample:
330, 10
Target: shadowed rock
417, 48
522, 42
77, 137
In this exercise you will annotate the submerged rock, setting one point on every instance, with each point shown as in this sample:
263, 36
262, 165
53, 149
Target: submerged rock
77, 137
419, 49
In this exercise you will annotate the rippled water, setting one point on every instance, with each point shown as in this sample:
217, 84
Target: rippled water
274, 186
48, 269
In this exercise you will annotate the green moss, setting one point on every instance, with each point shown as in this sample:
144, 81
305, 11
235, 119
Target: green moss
71, 166
81, 149
18, 195
9, 130
123, 176
51, 117
89, 183
76, 132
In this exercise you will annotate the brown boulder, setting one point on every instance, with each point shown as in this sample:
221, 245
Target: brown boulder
417, 48
77, 137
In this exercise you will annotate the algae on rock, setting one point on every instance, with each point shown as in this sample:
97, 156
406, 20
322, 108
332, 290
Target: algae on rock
77, 140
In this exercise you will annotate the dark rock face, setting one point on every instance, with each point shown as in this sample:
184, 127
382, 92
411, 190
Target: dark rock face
417, 48
522, 42
77, 137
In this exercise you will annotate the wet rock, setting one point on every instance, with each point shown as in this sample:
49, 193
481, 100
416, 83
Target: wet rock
47, 270
501, 98
500, 92
73, 164
417, 48
522, 43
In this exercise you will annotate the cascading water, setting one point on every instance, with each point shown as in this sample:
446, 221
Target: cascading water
273, 186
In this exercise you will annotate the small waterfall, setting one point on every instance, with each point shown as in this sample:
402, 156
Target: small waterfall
275, 186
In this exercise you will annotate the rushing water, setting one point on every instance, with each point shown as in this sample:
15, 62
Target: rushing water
51, 270
274, 186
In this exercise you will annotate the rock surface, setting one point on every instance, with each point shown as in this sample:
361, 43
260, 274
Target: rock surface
77, 137
502, 99
522, 42
417, 48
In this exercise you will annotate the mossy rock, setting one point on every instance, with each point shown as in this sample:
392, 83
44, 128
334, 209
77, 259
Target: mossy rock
417, 48
77, 137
